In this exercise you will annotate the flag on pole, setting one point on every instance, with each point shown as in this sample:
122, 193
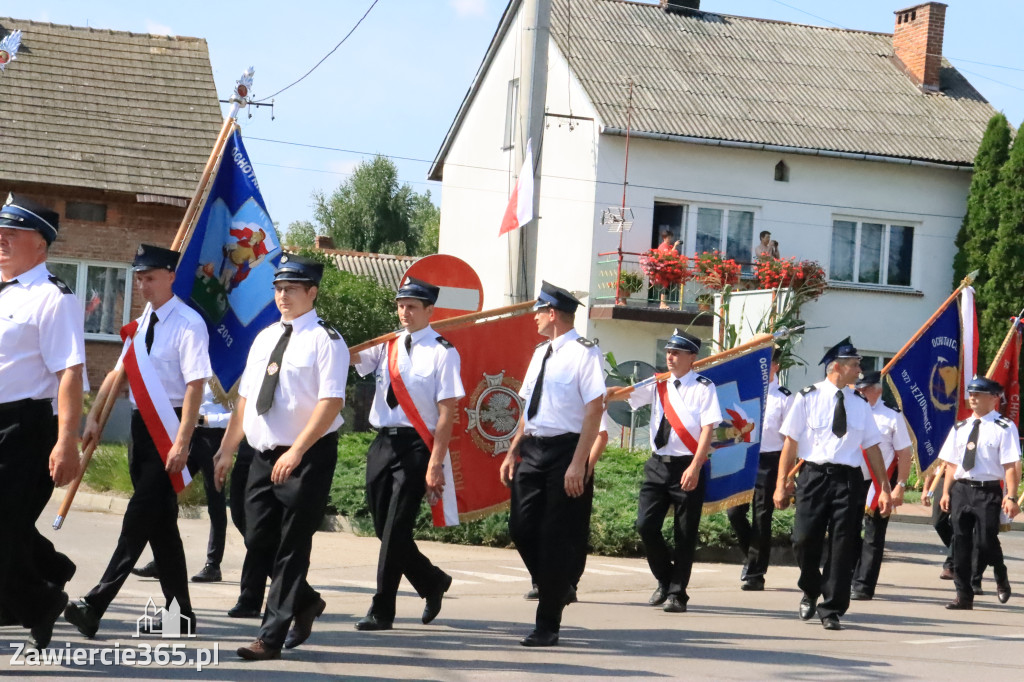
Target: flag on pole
1006, 370
150, 397
520, 205
226, 271
926, 383
742, 387
969, 325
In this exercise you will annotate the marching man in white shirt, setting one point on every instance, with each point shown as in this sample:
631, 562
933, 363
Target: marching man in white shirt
897, 453
289, 410
833, 429
418, 389
686, 410
985, 449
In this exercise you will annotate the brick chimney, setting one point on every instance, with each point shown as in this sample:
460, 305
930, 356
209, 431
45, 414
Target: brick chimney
680, 4
323, 242
917, 42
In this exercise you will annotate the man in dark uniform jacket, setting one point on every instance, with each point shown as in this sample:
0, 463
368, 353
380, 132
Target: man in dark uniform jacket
42, 359
546, 465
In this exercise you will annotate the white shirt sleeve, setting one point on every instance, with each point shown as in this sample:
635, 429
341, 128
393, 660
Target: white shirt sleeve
332, 359
947, 452
641, 396
872, 436
62, 334
248, 385
591, 376
710, 410
194, 353
449, 375
369, 360
795, 423
1009, 452
901, 439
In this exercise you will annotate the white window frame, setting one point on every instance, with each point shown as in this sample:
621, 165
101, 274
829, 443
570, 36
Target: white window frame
511, 115
883, 270
691, 226
81, 281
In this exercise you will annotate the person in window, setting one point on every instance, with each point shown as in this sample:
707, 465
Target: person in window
767, 246
667, 245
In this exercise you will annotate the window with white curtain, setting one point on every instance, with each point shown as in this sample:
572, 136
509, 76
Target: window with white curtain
869, 252
104, 289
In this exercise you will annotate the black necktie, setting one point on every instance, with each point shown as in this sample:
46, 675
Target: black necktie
391, 400
972, 446
266, 397
839, 416
664, 429
538, 388
4, 285
153, 319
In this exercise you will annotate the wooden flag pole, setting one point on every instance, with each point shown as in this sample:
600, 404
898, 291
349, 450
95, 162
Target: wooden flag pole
452, 323
964, 283
105, 401
1006, 342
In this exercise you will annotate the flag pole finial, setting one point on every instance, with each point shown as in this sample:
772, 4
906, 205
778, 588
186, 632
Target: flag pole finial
969, 279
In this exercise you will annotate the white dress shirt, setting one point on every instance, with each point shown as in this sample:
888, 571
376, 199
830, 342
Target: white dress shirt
314, 368
215, 415
431, 371
572, 378
41, 333
775, 407
695, 400
181, 348
809, 421
895, 435
998, 444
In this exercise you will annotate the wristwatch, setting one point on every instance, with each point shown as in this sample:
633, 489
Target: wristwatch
201, 421
902, 484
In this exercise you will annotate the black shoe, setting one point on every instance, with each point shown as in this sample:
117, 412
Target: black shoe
831, 622
302, 624
807, 608
659, 596
1003, 590
258, 651
147, 571
40, 636
210, 573
241, 610
959, 604
674, 604
976, 589
570, 596
434, 599
861, 596
373, 622
7, 618
533, 594
84, 617
752, 585
540, 638
947, 573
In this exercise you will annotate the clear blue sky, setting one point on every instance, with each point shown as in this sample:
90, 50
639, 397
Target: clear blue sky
395, 85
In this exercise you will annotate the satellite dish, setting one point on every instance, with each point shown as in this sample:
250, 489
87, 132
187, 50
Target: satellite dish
626, 374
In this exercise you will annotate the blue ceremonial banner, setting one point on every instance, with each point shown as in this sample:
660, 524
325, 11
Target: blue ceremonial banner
226, 271
925, 382
742, 386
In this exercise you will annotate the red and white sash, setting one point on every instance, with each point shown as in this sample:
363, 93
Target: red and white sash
675, 421
150, 397
875, 489
446, 511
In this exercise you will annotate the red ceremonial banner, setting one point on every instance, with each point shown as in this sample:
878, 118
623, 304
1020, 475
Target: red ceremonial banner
1007, 373
495, 356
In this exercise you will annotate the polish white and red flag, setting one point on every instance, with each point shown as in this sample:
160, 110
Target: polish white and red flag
150, 397
520, 205
969, 337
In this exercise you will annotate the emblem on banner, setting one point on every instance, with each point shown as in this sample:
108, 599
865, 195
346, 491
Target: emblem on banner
494, 412
943, 384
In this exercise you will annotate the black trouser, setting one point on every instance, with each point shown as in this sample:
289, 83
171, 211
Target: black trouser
755, 537
943, 526
974, 513
869, 561
661, 487
829, 498
581, 565
396, 482
151, 517
256, 566
548, 526
281, 520
205, 442
28, 432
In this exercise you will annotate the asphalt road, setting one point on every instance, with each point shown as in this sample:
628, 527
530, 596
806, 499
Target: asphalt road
611, 633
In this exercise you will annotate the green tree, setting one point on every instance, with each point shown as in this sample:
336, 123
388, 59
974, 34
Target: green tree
358, 307
1004, 290
301, 234
977, 234
370, 211
425, 223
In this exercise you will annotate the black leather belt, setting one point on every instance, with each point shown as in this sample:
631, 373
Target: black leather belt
24, 404
831, 469
397, 431
560, 438
771, 453
984, 485
669, 459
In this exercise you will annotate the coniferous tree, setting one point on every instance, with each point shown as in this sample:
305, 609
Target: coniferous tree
1004, 290
977, 234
